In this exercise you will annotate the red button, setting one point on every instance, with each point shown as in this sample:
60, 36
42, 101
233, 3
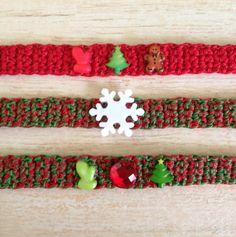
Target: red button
123, 174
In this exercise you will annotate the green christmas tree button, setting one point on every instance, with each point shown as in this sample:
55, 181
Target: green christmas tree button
117, 61
161, 174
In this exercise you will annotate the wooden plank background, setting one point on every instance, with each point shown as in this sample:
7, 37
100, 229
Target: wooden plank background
190, 211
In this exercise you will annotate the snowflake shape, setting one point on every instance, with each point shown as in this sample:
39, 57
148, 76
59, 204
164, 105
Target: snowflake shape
116, 112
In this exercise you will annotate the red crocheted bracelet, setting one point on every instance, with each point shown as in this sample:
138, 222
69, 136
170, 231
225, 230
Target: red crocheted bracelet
108, 59
89, 172
159, 113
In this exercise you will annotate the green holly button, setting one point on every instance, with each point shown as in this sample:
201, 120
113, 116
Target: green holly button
86, 173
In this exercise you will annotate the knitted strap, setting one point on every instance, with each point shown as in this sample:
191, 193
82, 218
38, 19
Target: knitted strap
56, 171
161, 113
58, 59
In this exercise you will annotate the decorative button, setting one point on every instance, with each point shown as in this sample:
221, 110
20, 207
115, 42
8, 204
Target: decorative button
154, 59
123, 174
117, 61
161, 174
83, 59
116, 112
86, 173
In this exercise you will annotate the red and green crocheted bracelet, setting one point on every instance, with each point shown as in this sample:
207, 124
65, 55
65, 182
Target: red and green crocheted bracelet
108, 59
89, 172
158, 113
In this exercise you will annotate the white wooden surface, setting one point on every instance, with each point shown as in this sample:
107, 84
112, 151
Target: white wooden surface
190, 211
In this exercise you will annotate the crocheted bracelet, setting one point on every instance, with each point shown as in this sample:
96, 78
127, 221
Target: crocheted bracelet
159, 113
108, 171
108, 59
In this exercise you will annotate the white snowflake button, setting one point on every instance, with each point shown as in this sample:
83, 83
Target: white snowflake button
116, 112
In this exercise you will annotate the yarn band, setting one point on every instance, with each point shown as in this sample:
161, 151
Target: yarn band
58, 59
160, 113
56, 171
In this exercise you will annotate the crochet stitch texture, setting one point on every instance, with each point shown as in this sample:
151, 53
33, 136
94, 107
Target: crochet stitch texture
159, 113
50, 171
58, 60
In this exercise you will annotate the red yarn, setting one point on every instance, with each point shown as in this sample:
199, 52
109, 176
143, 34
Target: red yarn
50, 171
160, 113
58, 59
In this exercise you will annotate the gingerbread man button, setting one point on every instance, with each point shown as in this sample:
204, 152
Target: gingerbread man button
154, 59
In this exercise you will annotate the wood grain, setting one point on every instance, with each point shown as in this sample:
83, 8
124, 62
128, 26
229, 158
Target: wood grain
80, 141
129, 21
190, 211
148, 87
